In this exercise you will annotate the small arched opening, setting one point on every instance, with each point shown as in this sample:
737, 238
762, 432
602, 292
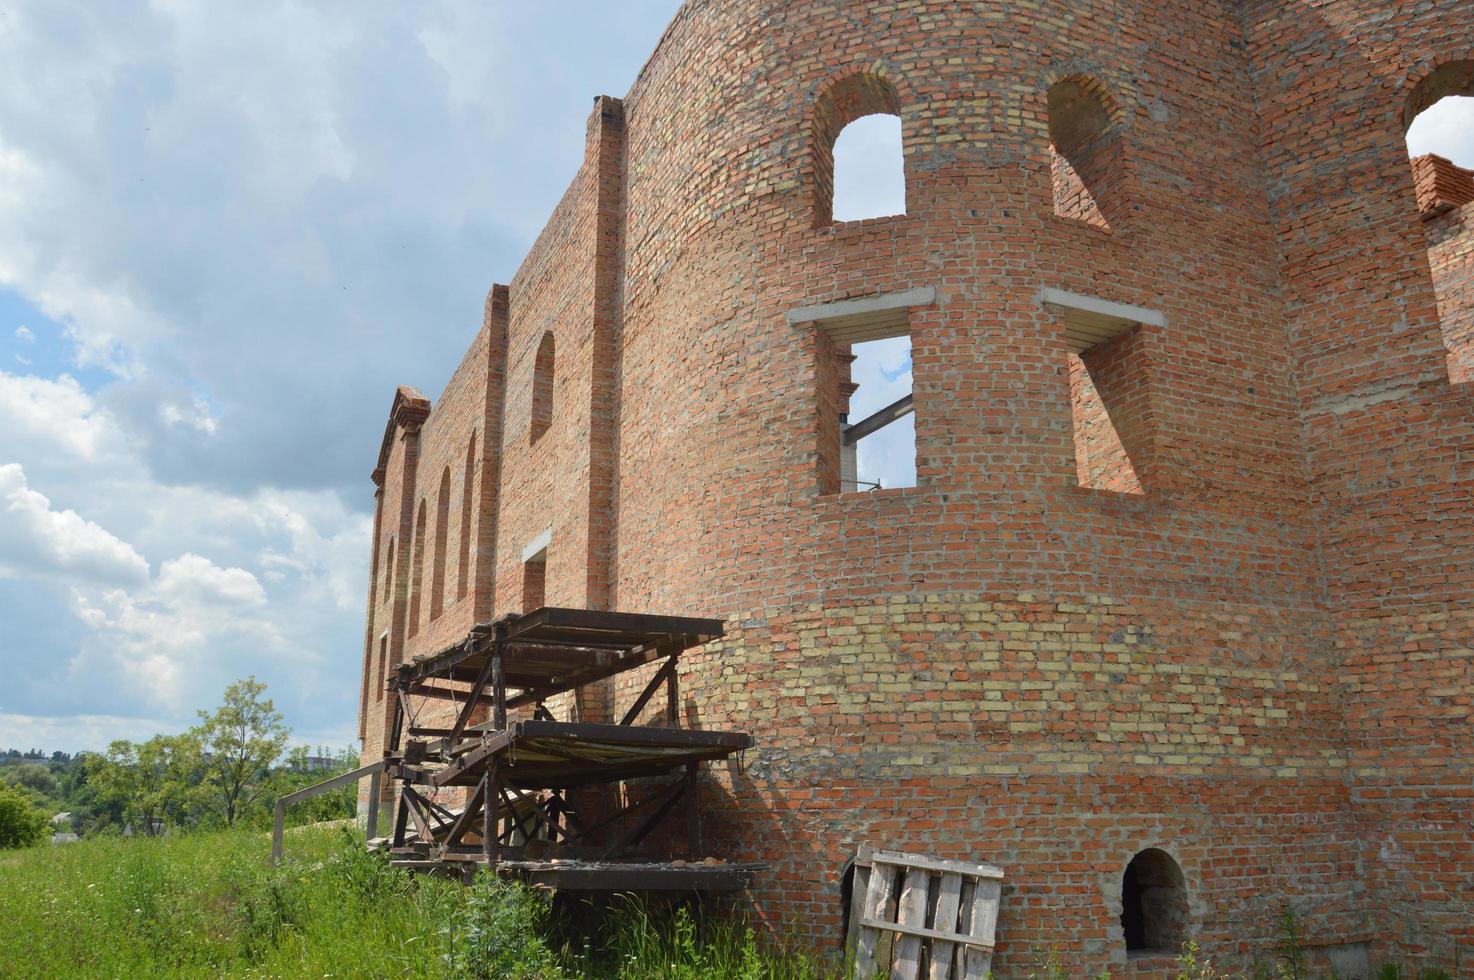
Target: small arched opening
542, 388
859, 158
1085, 151
1154, 904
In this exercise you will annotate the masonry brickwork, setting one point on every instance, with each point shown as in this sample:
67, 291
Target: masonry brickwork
1206, 586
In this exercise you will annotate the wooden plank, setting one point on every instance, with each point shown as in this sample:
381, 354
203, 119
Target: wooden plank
875, 909
982, 920
910, 917
859, 887
901, 860
949, 892
922, 932
352, 776
598, 620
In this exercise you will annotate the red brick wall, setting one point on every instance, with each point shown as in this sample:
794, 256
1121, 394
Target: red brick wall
1387, 437
1451, 261
1259, 665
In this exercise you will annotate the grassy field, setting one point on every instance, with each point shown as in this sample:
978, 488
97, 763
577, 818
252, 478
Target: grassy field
209, 905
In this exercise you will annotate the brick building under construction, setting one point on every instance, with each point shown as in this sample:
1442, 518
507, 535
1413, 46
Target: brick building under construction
1175, 625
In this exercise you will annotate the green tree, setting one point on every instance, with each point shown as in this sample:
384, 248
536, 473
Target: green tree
84, 791
154, 783
33, 776
240, 742
21, 824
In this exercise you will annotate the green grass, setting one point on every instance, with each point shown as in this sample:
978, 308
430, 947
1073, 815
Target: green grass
209, 905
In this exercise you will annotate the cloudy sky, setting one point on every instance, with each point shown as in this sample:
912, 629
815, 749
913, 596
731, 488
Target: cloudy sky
231, 229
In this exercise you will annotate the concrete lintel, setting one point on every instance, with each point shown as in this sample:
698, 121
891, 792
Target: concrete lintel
1124, 313
864, 305
537, 544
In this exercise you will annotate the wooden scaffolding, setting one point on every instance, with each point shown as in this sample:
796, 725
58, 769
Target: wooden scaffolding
524, 768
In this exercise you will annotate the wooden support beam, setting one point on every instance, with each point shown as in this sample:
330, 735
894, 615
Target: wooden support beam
498, 683
660, 675
642, 830
448, 694
898, 409
401, 817
422, 820
472, 696
490, 790
463, 822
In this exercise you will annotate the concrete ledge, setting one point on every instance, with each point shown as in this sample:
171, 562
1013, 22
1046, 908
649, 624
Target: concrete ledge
854, 321
1090, 321
539, 543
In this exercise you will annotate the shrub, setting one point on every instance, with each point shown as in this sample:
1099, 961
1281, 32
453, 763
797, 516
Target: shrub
21, 824
500, 932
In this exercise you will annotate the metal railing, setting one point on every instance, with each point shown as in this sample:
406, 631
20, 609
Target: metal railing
373, 770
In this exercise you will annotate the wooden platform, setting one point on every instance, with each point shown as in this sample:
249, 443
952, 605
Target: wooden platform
560, 754
520, 817
553, 650
603, 876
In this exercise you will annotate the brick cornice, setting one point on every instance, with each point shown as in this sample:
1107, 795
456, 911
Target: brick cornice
408, 412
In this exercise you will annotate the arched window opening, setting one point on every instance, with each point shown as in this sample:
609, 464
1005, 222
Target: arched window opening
417, 571
859, 163
542, 388
1439, 116
468, 483
442, 520
1154, 904
869, 169
1085, 152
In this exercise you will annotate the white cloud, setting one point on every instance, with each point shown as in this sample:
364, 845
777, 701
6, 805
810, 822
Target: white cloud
37, 540
75, 733
1445, 128
44, 417
260, 220
24, 335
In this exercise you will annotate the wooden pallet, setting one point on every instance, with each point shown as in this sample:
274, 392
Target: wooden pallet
915, 916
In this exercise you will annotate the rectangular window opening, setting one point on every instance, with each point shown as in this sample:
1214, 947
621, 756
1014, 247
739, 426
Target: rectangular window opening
534, 581
866, 426
1108, 407
869, 428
